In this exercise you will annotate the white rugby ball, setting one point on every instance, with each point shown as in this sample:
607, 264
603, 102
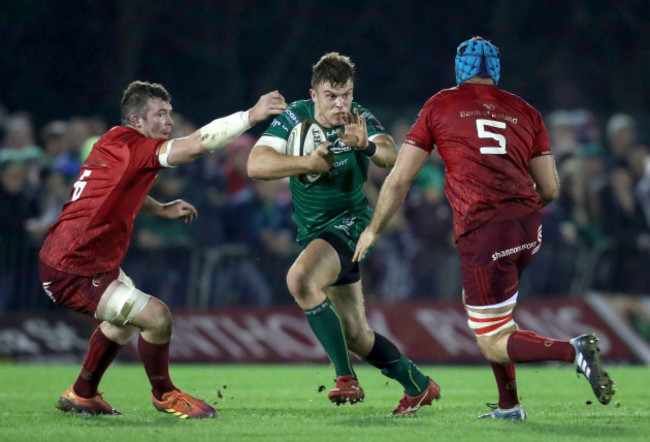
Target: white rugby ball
304, 139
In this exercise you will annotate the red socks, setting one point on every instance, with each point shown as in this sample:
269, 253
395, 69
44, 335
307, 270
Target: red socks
155, 358
506, 379
101, 352
526, 346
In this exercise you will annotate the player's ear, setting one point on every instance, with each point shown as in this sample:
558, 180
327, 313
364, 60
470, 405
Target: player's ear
312, 94
134, 121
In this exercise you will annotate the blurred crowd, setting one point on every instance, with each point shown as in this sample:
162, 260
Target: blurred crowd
596, 235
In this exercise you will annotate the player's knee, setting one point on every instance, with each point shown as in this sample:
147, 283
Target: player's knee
495, 347
158, 318
492, 329
299, 283
487, 346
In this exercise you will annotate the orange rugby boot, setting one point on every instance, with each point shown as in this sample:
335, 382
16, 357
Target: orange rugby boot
70, 402
183, 405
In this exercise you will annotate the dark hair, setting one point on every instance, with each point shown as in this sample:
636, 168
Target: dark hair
334, 68
135, 98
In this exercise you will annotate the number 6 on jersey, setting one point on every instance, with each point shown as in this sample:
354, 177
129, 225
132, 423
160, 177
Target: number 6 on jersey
80, 185
482, 133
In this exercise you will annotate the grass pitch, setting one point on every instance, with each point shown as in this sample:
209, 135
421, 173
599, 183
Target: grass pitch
289, 403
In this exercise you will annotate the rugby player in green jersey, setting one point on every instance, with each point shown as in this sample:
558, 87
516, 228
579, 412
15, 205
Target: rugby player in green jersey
331, 212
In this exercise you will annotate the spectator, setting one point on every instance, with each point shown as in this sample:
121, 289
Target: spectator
53, 194
260, 217
163, 244
16, 207
19, 144
621, 134
97, 127
641, 165
55, 136
623, 267
562, 134
435, 262
389, 265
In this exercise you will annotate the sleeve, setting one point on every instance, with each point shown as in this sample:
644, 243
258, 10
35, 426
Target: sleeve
277, 144
144, 152
420, 134
277, 134
541, 143
281, 125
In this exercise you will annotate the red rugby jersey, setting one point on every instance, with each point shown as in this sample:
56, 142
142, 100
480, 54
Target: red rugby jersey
93, 232
486, 138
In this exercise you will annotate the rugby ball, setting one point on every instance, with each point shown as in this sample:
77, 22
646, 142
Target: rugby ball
304, 139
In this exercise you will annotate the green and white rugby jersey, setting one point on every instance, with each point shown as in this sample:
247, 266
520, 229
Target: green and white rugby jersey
339, 192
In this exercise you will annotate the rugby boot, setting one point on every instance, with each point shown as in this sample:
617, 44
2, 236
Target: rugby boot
71, 402
183, 406
515, 413
588, 364
347, 389
409, 405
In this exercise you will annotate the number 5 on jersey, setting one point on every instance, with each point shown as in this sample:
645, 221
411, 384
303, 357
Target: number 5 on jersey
80, 185
483, 133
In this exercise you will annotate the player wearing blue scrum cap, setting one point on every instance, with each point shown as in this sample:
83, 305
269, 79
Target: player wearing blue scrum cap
499, 172
477, 58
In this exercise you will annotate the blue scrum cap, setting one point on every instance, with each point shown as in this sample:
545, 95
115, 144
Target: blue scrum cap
477, 57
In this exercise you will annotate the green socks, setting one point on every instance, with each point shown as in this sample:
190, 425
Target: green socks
408, 374
385, 356
326, 324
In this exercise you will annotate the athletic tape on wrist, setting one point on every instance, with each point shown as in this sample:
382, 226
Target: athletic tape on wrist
370, 150
223, 131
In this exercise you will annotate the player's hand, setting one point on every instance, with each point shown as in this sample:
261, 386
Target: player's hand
322, 159
269, 104
179, 209
367, 239
354, 133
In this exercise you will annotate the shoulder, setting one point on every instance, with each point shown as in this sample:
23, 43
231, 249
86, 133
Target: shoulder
520, 101
300, 110
441, 96
120, 134
296, 112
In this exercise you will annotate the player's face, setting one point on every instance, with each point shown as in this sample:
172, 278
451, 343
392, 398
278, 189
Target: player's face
157, 121
332, 103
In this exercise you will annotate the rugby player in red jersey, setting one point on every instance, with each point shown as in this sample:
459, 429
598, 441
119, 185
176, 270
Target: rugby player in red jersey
80, 258
499, 172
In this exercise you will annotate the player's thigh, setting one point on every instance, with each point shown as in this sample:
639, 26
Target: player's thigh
317, 266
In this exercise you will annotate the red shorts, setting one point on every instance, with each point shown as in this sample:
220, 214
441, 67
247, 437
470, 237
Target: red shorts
493, 256
79, 293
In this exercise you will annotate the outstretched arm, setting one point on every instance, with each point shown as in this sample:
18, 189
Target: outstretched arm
409, 162
220, 132
173, 210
